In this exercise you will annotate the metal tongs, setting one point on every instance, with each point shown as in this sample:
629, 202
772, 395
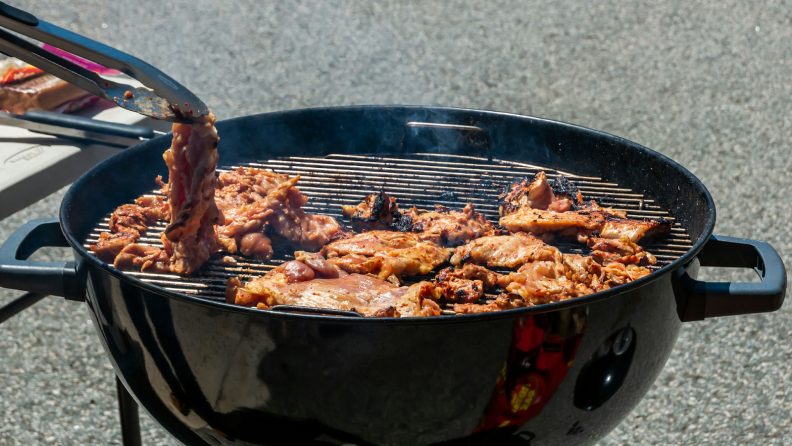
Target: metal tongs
163, 99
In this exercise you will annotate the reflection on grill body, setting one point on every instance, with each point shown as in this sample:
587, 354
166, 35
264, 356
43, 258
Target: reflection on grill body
418, 180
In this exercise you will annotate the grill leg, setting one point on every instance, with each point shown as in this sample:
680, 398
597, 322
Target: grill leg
128, 411
18, 305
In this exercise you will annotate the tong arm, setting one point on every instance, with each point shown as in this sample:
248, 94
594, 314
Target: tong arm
179, 104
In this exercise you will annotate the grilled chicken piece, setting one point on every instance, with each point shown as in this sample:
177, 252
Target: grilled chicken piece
441, 226
615, 274
148, 259
109, 245
607, 251
540, 208
502, 302
505, 251
385, 253
544, 282
190, 238
129, 218
127, 223
255, 200
418, 301
154, 208
466, 284
241, 198
546, 275
550, 281
583, 224
136, 218
560, 196
446, 227
376, 212
313, 282
288, 220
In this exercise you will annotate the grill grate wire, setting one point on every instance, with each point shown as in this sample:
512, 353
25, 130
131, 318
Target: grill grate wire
422, 180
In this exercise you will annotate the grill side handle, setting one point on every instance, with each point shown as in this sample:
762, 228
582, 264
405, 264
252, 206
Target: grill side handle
698, 300
48, 278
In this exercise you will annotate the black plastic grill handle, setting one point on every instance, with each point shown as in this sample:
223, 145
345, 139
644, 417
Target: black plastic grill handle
51, 278
697, 300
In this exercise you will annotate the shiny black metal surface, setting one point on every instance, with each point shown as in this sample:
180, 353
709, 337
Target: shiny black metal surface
565, 373
297, 381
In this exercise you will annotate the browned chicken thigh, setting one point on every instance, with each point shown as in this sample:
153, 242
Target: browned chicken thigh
534, 208
446, 227
505, 251
385, 253
311, 281
442, 226
255, 200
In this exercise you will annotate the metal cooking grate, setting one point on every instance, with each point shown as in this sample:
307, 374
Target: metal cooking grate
420, 180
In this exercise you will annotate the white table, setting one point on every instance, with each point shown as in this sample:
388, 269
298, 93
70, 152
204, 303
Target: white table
33, 166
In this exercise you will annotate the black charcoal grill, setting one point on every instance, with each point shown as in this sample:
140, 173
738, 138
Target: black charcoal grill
562, 373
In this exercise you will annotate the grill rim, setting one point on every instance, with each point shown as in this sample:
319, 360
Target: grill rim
82, 183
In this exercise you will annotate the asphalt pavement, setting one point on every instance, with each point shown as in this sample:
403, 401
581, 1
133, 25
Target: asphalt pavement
707, 83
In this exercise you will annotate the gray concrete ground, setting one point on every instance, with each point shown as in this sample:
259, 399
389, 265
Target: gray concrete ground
706, 83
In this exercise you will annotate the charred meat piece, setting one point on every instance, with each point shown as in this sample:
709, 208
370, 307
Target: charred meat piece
446, 227
312, 282
192, 160
540, 208
537, 193
583, 224
376, 212
442, 226
256, 201
506, 251
466, 284
385, 253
